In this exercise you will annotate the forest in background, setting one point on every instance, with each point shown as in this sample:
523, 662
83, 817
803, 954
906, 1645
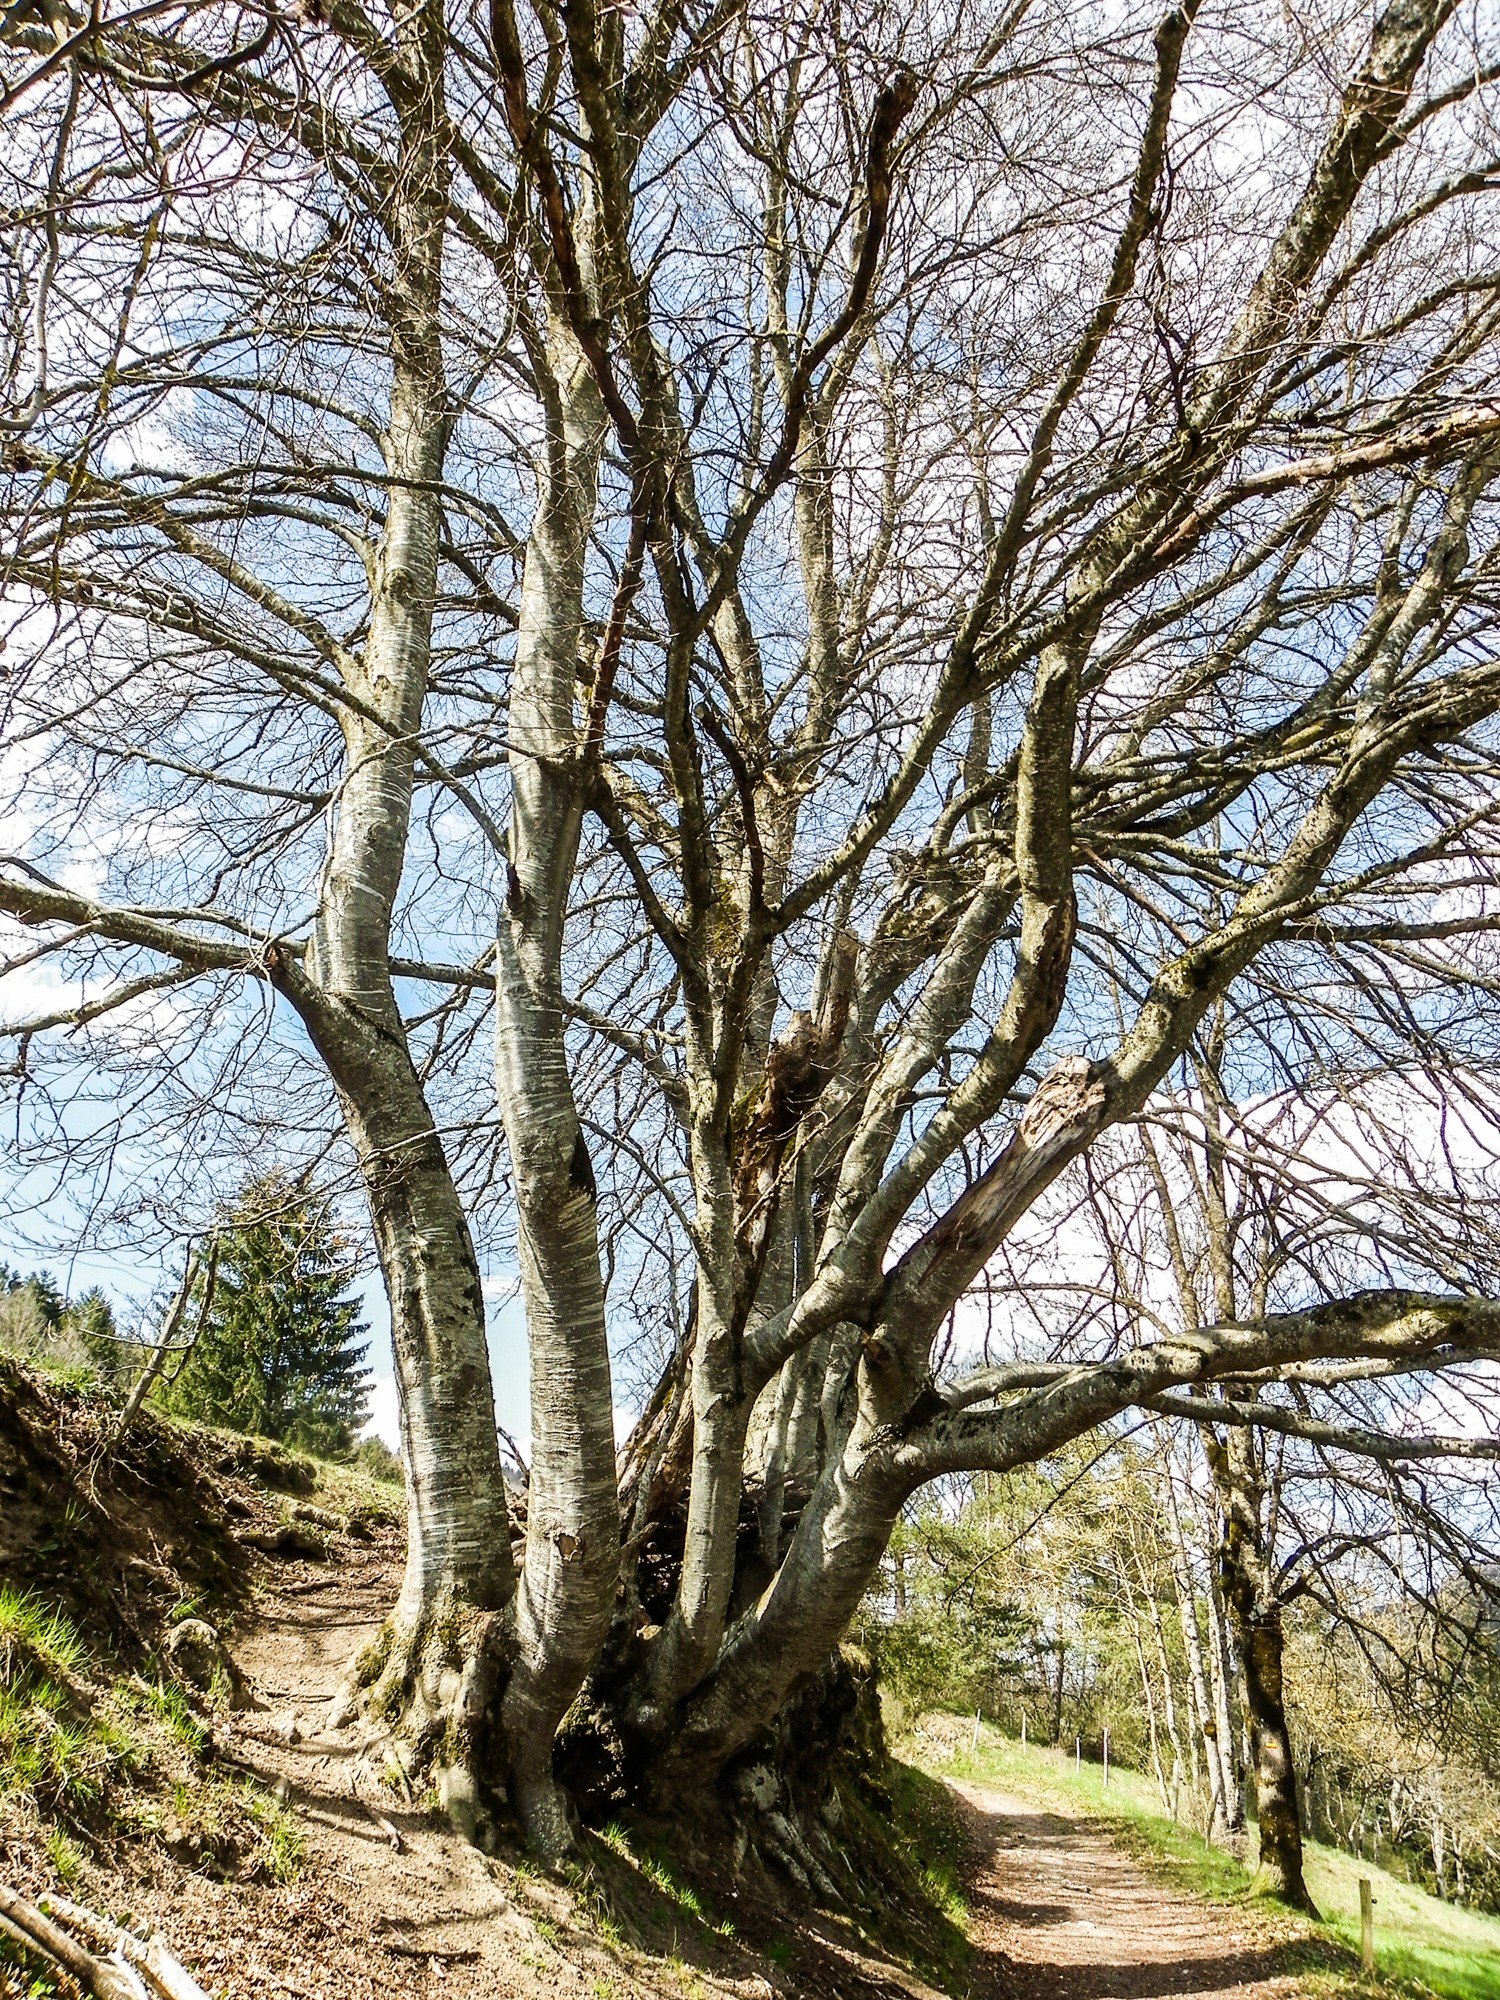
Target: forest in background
1083, 1600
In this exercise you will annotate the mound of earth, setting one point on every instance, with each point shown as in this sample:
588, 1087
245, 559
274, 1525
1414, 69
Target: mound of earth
129, 1571
177, 1611
123, 1534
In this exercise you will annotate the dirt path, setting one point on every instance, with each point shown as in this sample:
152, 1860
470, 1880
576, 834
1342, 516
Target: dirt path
392, 1903
1060, 1913
402, 1905
433, 1916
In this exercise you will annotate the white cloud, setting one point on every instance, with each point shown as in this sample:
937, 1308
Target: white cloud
385, 1413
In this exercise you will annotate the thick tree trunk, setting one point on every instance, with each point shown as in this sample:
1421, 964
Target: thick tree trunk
685, 1649
800, 1618
1256, 1616
435, 1663
458, 1542
573, 1526
431, 1664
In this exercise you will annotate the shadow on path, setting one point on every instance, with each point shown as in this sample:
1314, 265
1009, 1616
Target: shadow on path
1061, 1913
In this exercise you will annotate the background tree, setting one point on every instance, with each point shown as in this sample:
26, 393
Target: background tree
1396, 1721
854, 579
282, 1350
1213, 1209
1018, 1596
39, 1324
1054, 1596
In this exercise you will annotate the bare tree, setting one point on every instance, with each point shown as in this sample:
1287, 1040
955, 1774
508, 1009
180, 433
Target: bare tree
1328, 1477
855, 579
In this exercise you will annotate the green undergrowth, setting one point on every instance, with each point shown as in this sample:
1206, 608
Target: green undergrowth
60, 1750
361, 1488
91, 1758
26, 1975
1423, 1947
672, 1893
909, 1828
666, 1894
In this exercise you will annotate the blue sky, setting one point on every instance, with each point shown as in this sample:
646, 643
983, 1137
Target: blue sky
130, 1282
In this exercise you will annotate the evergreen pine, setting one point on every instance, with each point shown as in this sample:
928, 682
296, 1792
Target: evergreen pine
282, 1352
38, 1323
88, 1325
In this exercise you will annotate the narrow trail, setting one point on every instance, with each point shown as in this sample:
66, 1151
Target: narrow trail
402, 1906
407, 1907
1061, 1913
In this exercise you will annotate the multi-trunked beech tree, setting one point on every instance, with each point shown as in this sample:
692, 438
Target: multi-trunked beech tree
853, 577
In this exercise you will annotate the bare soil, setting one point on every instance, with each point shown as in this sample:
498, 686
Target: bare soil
389, 1900
1061, 1913
401, 1905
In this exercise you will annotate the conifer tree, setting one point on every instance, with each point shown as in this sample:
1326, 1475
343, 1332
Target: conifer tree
282, 1349
40, 1324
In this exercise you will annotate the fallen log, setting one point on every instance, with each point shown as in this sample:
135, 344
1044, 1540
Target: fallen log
134, 1968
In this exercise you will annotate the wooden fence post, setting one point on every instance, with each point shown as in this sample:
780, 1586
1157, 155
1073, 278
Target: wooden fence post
1366, 1925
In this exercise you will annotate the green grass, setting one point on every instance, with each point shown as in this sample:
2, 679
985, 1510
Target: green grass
70, 1742
54, 1749
1454, 1952
65, 1855
1422, 1946
225, 1826
936, 1839
31, 1628
26, 1974
658, 1872
169, 1705
912, 1852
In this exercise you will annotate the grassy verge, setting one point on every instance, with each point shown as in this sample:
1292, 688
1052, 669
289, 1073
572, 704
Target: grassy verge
92, 1759
915, 1841
1422, 1947
1418, 1940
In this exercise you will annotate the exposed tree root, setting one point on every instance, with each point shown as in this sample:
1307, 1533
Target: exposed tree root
771, 1827
434, 1684
541, 1807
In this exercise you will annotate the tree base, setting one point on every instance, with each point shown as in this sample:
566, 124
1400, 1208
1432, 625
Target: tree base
432, 1686
779, 1805
1281, 1886
815, 1814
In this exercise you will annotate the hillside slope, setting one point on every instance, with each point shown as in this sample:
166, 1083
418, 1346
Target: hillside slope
176, 1614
